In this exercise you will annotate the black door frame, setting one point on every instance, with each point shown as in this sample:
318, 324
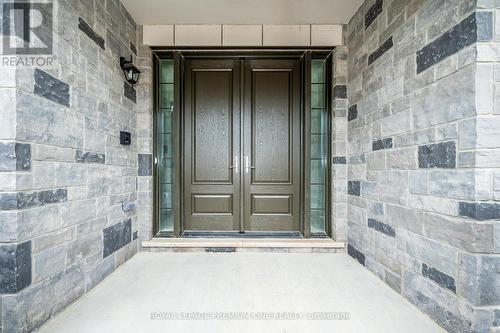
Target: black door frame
179, 55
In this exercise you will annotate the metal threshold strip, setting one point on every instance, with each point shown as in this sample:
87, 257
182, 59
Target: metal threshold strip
237, 234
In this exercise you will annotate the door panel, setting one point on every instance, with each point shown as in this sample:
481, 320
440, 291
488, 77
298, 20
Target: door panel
272, 145
212, 204
271, 204
211, 145
212, 126
271, 120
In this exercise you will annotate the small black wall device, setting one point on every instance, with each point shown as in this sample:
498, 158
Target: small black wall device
125, 138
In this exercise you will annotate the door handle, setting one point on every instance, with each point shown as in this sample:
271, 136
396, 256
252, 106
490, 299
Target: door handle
236, 164
247, 164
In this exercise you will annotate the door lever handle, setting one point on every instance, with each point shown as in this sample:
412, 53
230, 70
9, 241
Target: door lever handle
236, 165
247, 164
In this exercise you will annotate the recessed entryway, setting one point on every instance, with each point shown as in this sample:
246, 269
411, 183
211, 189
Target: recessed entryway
243, 143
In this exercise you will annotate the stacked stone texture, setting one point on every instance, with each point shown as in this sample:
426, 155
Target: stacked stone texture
423, 154
145, 140
339, 146
63, 173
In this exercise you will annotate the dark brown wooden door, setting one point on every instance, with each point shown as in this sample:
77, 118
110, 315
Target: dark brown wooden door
242, 155
212, 145
271, 128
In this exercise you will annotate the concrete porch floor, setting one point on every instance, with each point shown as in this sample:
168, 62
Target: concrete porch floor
241, 282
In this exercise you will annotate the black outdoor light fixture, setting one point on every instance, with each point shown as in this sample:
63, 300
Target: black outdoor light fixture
131, 72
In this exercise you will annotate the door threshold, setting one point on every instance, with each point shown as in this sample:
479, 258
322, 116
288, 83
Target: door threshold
246, 234
244, 245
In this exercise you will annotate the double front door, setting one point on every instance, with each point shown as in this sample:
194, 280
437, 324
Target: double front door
241, 145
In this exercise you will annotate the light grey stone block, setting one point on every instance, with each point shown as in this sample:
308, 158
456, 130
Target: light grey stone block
49, 262
99, 273
78, 211
459, 232
436, 254
406, 218
404, 159
7, 113
55, 124
449, 99
454, 184
480, 279
393, 186
83, 247
53, 153
397, 123
419, 182
8, 159
38, 221
51, 240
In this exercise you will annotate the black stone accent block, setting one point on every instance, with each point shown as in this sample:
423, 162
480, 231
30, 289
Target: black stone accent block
373, 13
443, 279
352, 113
382, 144
23, 156
15, 267
83, 26
480, 211
354, 188
452, 41
382, 227
388, 44
356, 254
145, 164
441, 155
133, 48
339, 160
24, 200
340, 91
51, 88
220, 249
88, 157
129, 92
135, 235
116, 237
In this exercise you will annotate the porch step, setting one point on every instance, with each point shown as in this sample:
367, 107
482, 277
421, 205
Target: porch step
243, 245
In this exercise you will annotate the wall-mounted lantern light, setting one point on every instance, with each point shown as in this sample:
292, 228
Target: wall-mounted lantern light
131, 72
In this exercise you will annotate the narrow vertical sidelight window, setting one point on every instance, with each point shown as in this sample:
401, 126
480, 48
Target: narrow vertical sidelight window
319, 148
165, 145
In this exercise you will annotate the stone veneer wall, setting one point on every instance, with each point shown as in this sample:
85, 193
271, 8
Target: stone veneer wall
423, 154
144, 111
63, 172
339, 144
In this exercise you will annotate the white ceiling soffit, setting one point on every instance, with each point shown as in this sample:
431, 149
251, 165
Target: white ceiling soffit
153, 12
